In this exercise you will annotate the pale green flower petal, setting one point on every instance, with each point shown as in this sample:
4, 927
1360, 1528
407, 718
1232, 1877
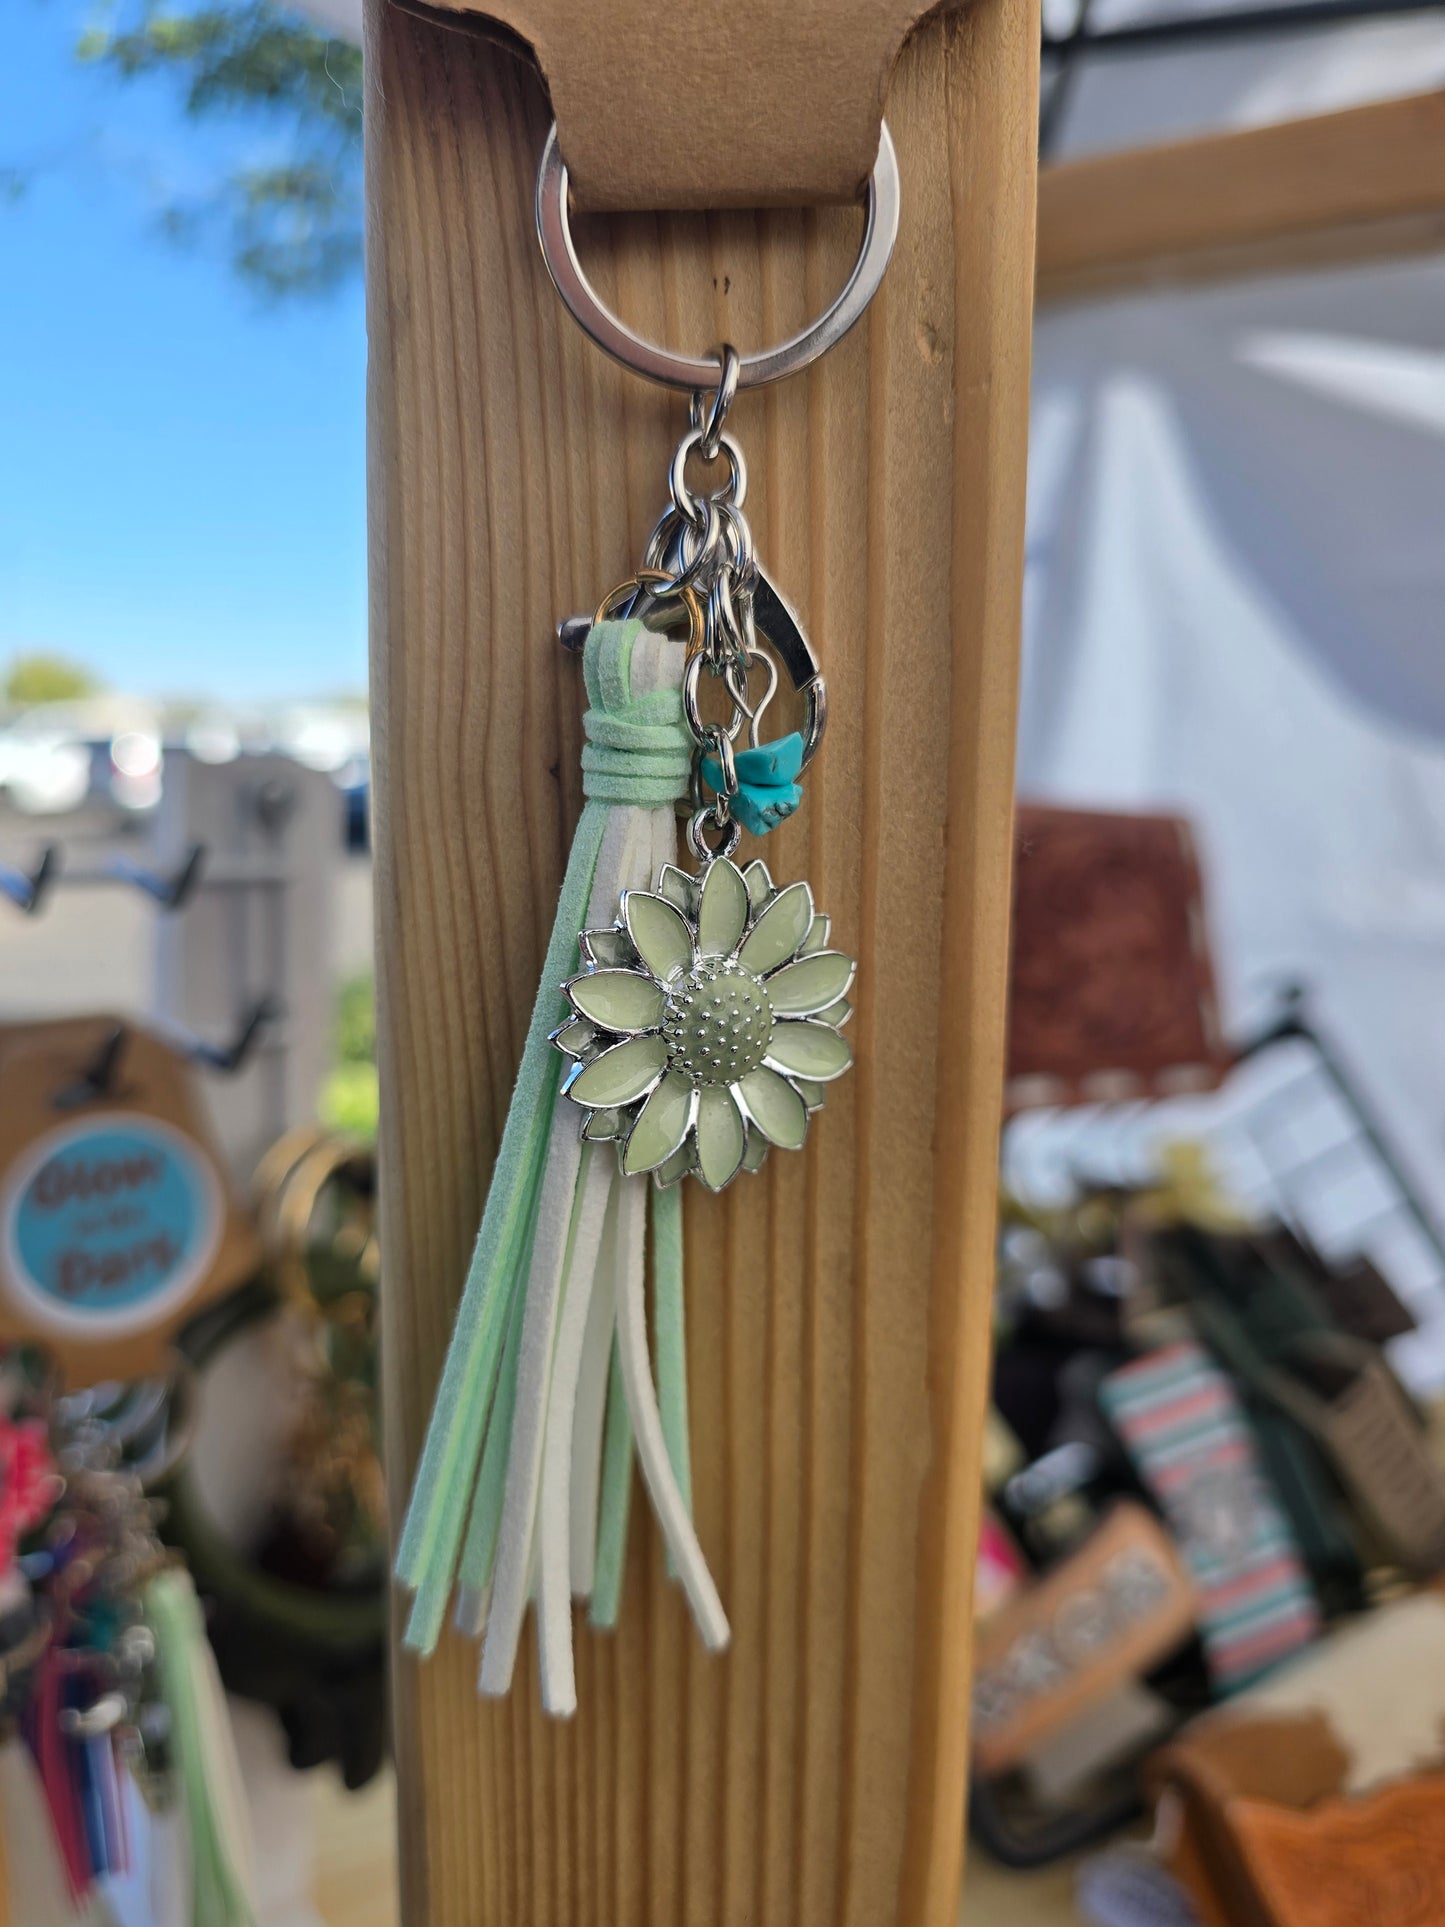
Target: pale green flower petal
620, 1075
574, 1038
620, 1000
677, 1166
801, 1048
836, 1014
598, 1125
779, 930
775, 1107
723, 909
755, 1155
811, 1094
719, 1136
679, 888
608, 949
803, 988
760, 884
660, 932
817, 937
661, 1125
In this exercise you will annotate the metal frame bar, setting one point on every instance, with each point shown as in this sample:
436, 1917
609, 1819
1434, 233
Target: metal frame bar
1242, 24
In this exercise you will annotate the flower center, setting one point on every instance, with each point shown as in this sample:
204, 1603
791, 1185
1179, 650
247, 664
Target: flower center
717, 1022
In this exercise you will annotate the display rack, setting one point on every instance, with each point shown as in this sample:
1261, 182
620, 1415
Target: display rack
239, 864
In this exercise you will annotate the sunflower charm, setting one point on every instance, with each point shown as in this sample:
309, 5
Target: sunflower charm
707, 1023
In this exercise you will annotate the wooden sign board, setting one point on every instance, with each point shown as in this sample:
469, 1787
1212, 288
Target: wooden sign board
116, 1216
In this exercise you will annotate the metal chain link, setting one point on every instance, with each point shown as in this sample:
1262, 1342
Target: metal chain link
702, 542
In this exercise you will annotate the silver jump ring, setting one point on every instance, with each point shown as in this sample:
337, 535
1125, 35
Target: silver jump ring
739, 537
722, 749
730, 627
697, 836
691, 705
729, 366
734, 490
738, 544
684, 551
559, 251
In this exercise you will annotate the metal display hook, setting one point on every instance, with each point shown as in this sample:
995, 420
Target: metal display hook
100, 1078
230, 1058
27, 890
172, 891
169, 889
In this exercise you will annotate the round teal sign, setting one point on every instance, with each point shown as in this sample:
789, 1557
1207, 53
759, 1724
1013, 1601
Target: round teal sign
108, 1222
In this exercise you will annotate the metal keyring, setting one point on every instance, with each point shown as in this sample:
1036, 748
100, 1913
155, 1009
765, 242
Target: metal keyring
880, 230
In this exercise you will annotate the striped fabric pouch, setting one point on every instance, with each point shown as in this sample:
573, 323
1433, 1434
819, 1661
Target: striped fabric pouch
1182, 1425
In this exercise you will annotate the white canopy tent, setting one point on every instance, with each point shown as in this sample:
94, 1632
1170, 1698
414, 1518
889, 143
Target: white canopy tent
1236, 579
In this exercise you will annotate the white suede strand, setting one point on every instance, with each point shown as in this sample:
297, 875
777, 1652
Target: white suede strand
667, 1501
554, 1587
511, 1582
588, 1422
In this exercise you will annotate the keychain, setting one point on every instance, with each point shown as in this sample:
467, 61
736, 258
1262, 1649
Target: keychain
689, 1021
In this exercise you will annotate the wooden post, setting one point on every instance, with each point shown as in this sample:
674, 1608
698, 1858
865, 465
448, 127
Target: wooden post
838, 1306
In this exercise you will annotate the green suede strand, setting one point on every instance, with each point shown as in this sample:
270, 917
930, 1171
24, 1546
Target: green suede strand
479, 1551
671, 1334
173, 1613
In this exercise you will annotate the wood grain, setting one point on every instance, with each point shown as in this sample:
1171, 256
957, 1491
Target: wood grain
354, 1866
838, 1305
1360, 184
355, 1883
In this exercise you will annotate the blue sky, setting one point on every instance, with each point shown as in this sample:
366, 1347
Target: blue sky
182, 488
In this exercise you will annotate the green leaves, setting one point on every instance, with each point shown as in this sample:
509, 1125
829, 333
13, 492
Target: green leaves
246, 55
291, 226
43, 678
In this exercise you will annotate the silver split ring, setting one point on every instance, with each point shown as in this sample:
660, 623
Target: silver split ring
559, 251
